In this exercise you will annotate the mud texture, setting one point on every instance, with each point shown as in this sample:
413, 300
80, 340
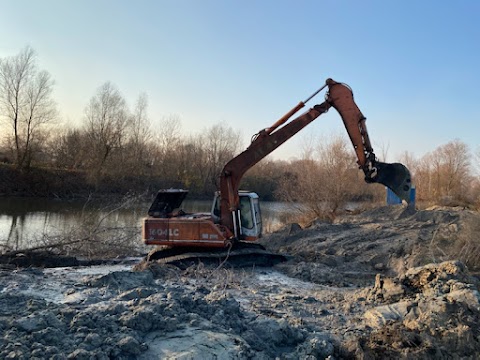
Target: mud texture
385, 284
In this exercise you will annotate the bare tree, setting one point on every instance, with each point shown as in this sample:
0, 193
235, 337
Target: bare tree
139, 143
408, 159
168, 138
168, 147
455, 159
169, 133
423, 179
309, 141
222, 143
324, 184
106, 127
26, 102
191, 170
445, 174
265, 176
68, 150
477, 161
140, 124
340, 181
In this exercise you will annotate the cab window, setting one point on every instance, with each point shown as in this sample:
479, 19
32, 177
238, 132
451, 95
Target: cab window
246, 215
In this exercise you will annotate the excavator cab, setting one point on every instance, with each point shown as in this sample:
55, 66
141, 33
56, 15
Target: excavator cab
249, 215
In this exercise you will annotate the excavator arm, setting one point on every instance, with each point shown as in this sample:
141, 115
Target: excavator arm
395, 176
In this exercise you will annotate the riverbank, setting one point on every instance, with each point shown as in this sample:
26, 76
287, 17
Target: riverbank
378, 285
71, 184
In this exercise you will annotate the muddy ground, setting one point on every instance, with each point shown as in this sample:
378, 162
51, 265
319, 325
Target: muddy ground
387, 283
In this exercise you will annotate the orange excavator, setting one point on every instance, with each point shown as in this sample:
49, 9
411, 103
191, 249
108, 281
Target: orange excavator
235, 218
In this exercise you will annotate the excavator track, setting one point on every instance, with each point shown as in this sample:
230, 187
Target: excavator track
242, 254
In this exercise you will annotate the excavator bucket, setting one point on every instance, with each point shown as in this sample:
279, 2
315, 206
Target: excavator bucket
396, 177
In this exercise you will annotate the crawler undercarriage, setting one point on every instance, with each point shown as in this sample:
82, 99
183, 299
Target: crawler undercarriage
241, 254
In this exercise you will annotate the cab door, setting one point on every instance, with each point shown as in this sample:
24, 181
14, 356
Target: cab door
250, 217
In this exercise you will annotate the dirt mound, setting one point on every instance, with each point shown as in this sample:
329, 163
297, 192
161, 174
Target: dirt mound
436, 316
129, 315
374, 285
430, 312
388, 240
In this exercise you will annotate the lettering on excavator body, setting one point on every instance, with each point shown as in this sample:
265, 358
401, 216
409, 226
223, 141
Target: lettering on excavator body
209, 237
165, 232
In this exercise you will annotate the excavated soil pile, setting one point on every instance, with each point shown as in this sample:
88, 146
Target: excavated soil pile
390, 240
383, 284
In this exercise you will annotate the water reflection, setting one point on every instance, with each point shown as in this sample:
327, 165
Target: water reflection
28, 222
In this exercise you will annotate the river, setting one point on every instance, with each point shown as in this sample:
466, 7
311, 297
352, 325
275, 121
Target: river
27, 222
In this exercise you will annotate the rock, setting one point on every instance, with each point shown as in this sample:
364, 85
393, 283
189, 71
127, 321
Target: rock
435, 279
294, 228
129, 345
93, 340
122, 280
80, 354
137, 293
469, 297
195, 343
30, 323
386, 289
16, 354
316, 346
382, 315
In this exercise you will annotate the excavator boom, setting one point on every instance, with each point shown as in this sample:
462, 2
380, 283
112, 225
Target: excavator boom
395, 176
235, 215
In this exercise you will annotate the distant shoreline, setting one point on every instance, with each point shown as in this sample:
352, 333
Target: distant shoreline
72, 184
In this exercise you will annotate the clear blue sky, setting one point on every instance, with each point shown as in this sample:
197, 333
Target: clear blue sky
413, 65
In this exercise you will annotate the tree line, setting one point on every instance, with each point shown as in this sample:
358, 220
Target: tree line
117, 144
